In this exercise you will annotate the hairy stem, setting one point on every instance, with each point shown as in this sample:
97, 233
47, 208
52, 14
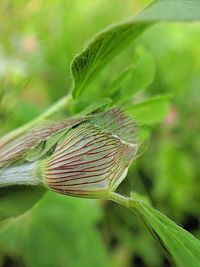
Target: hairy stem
26, 174
60, 104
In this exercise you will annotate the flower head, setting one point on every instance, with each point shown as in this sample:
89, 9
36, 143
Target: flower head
93, 157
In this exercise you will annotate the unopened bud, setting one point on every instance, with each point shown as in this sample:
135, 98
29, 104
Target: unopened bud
92, 158
14, 149
88, 158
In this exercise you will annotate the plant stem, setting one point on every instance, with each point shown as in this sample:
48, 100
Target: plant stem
127, 202
26, 174
60, 104
134, 206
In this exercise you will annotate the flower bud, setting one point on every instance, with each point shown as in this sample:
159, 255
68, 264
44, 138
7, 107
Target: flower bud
14, 149
93, 157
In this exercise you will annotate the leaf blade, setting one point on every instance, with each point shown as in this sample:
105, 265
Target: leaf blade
183, 246
150, 111
16, 200
110, 42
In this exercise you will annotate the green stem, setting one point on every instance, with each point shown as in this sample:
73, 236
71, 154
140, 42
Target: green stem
135, 206
60, 104
127, 202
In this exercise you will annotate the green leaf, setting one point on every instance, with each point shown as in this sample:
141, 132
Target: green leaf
176, 187
183, 247
95, 106
16, 200
136, 78
59, 231
115, 39
143, 74
171, 10
151, 111
120, 82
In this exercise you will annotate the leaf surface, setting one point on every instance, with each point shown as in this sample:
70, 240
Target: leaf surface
57, 232
183, 246
113, 40
16, 200
150, 111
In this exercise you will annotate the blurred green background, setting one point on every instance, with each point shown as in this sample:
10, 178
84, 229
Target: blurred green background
39, 39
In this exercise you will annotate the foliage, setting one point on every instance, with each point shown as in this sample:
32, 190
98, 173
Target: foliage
184, 248
34, 56
62, 241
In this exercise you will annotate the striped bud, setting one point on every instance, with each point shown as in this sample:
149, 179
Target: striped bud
93, 157
16, 148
